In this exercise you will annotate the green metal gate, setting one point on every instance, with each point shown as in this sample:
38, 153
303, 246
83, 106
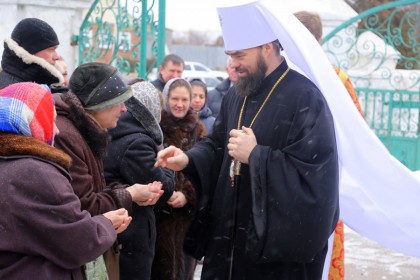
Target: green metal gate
380, 51
126, 34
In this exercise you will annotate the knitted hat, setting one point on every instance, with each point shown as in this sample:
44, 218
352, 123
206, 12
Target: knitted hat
148, 95
34, 35
27, 109
168, 87
98, 86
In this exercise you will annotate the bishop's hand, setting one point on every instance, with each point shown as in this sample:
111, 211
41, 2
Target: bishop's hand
172, 158
241, 144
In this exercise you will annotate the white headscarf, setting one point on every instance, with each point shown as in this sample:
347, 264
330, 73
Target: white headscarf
168, 88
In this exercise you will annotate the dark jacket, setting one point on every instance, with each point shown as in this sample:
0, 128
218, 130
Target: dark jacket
172, 223
159, 84
215, 96
130, 159
205, 116
18, 65
44, 235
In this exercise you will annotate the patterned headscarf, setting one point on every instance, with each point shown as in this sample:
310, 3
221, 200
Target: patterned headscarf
27, 109
148, 95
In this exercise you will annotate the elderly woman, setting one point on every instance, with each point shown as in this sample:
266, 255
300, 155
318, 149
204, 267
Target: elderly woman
44, 234
85, 113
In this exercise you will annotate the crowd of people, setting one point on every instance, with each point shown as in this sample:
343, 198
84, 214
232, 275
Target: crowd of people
91, 140
109, 178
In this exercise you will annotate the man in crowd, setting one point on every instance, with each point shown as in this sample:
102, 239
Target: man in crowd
30, 54
216, 95
172, 67
274, 202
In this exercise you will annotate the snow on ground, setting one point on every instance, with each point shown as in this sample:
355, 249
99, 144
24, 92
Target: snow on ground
366, 259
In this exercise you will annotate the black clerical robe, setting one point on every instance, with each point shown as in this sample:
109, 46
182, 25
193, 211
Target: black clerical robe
288, 193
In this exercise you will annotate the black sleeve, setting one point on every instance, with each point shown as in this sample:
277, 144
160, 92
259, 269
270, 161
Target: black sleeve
295, 189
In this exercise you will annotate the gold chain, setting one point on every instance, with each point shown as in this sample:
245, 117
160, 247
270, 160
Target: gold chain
263, 104
235, 166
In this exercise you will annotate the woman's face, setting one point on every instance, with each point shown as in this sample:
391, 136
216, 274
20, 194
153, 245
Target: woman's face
179, 101
198, 98
108, 117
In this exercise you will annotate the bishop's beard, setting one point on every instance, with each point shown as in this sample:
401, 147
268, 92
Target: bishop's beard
250, 84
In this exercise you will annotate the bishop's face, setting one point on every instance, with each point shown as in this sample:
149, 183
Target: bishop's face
251, 68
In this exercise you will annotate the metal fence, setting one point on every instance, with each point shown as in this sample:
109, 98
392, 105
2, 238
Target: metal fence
380, 51
127, 34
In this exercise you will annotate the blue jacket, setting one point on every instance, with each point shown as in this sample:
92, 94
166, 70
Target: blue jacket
206, 117
215, 96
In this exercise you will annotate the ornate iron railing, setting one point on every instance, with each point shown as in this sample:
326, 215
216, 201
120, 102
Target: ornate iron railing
380, 51
126, 34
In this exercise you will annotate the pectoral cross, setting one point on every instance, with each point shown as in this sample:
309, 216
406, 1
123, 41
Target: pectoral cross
235, 170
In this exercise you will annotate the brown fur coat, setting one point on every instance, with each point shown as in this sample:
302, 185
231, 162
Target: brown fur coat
172, 223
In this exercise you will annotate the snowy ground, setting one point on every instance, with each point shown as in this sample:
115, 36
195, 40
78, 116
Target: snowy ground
365, 259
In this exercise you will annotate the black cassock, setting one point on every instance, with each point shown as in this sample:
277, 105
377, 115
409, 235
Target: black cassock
288, 194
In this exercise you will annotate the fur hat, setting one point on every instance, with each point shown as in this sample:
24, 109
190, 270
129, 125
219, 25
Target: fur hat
27, 109
98, 86
34, 35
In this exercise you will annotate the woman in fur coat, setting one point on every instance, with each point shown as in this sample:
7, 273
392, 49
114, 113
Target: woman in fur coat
44, 233
181, 128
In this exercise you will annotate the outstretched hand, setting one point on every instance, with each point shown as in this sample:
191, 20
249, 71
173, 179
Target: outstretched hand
172, 158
